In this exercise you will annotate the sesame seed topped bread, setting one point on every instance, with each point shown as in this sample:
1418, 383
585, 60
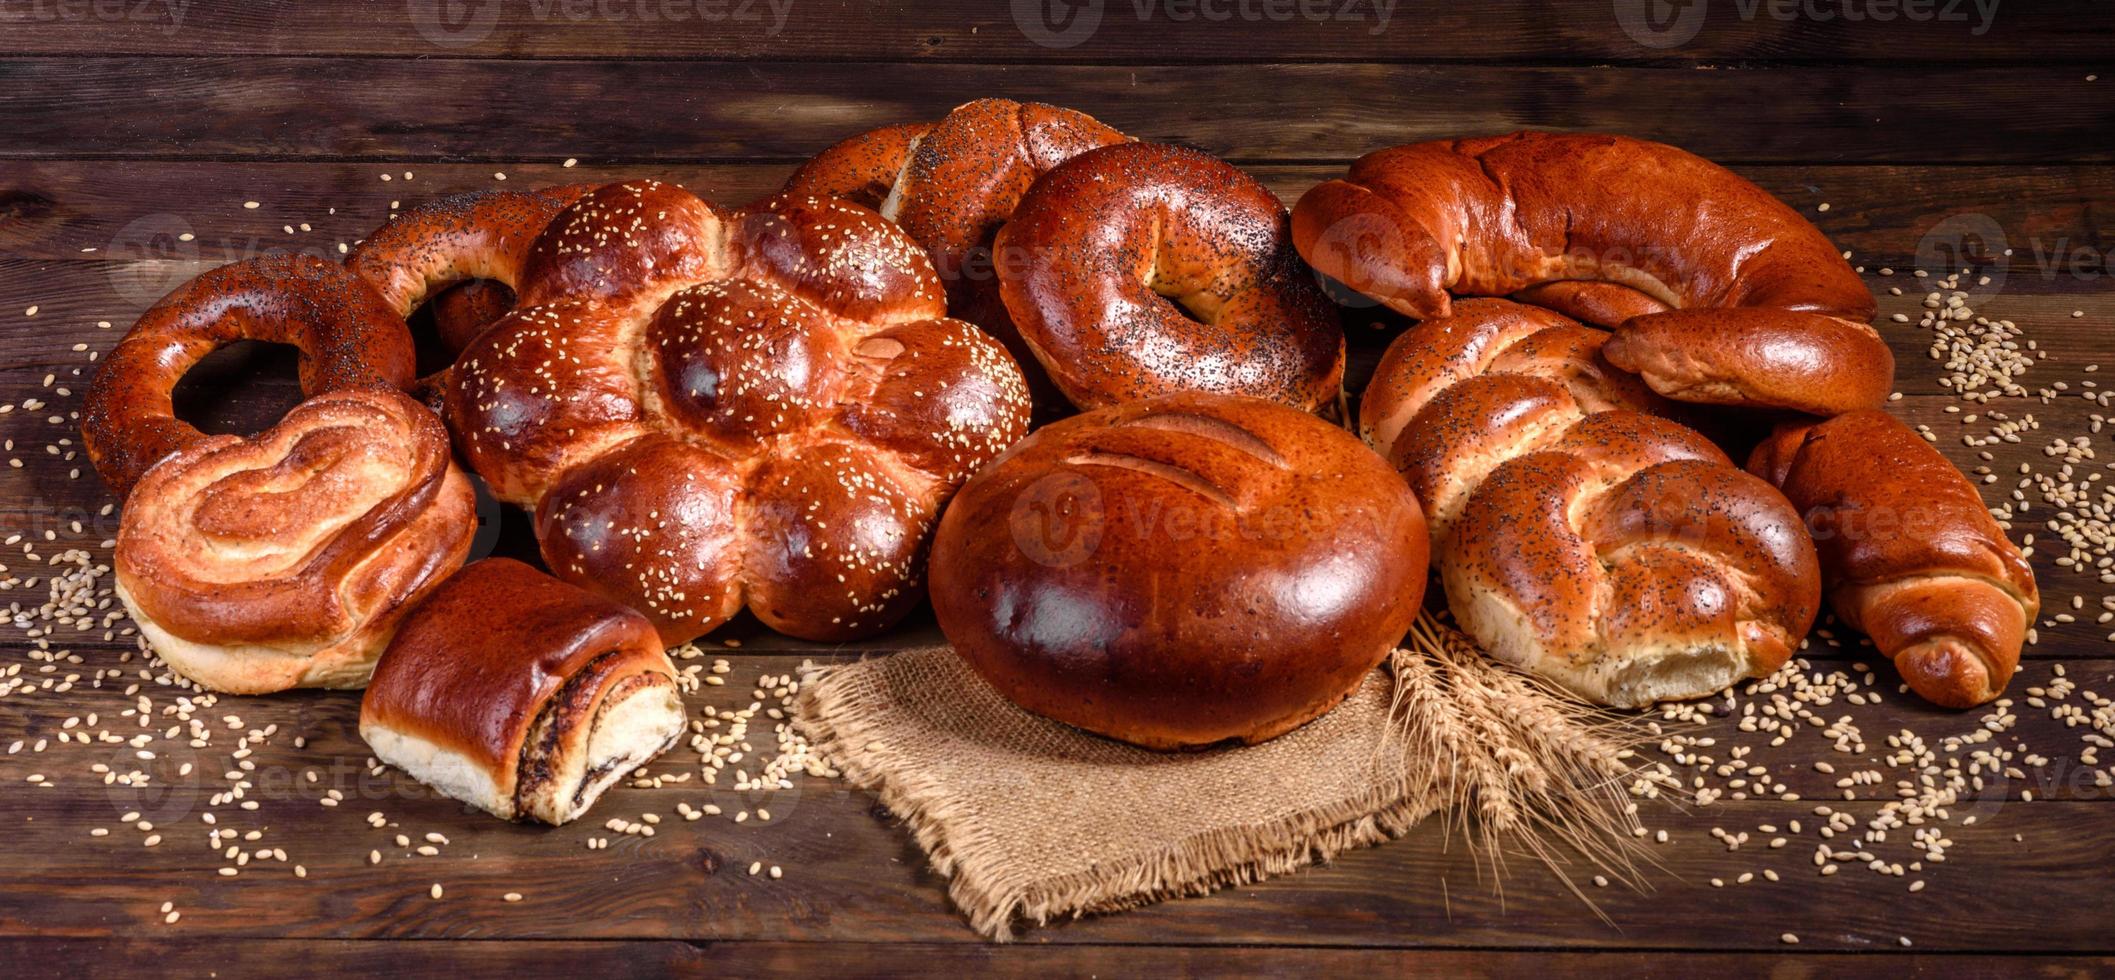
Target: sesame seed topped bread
708, 410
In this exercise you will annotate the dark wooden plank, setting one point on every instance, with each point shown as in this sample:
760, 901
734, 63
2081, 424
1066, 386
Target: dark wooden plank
469, 959
426, 109
54, 209
851, 876
1157, 31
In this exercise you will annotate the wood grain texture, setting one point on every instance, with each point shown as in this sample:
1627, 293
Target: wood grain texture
1157, 31
851, 876
134, 136
469, 958
439, 108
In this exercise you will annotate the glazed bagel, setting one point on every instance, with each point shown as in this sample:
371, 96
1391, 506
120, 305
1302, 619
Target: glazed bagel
287, 559
521, 695
1913, 557
1719, 292
480, 239
1578, 536
1142, 269
1180, 571
708, 410
347, 336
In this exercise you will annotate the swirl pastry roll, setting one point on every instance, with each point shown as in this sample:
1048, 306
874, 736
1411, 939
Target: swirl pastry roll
287, 559
522, 695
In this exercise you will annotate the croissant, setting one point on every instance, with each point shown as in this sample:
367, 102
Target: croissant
521, 695
1913, 557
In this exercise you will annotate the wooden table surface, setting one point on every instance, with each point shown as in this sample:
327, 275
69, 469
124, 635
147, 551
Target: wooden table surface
133, 133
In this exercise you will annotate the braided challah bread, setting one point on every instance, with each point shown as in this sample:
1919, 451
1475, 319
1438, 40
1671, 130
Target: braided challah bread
1611, 550
710, 409
1143, 269
1720, 293
1913, 557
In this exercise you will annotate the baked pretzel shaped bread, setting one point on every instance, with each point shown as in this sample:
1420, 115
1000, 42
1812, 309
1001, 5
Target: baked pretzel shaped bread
709, 409
476, 242
1611, 550
346, 335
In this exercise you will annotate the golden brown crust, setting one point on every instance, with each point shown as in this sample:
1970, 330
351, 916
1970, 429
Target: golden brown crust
481, 236
711, 409
1180, 571
1911, 554
1612, 229
1615, 551
1142, 269
1776, 358
952, 185
347, 338
287, 559
474, 667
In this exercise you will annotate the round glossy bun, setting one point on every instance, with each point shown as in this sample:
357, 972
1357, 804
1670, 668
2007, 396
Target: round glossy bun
1181, 571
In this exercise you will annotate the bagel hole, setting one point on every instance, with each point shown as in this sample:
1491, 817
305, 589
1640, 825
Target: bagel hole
1183, 304
240, 389
453, 317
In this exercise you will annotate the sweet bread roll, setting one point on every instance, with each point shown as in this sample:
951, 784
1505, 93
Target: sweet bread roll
521, 695
287, 559
1910, 554
1180, 571
1720, 292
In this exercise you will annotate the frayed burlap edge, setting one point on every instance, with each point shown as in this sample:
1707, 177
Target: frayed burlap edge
1505, 756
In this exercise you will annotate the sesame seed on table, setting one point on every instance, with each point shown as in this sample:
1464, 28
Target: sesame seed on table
1820, 820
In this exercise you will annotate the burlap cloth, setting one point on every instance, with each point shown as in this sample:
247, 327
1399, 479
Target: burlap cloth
1031, 820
